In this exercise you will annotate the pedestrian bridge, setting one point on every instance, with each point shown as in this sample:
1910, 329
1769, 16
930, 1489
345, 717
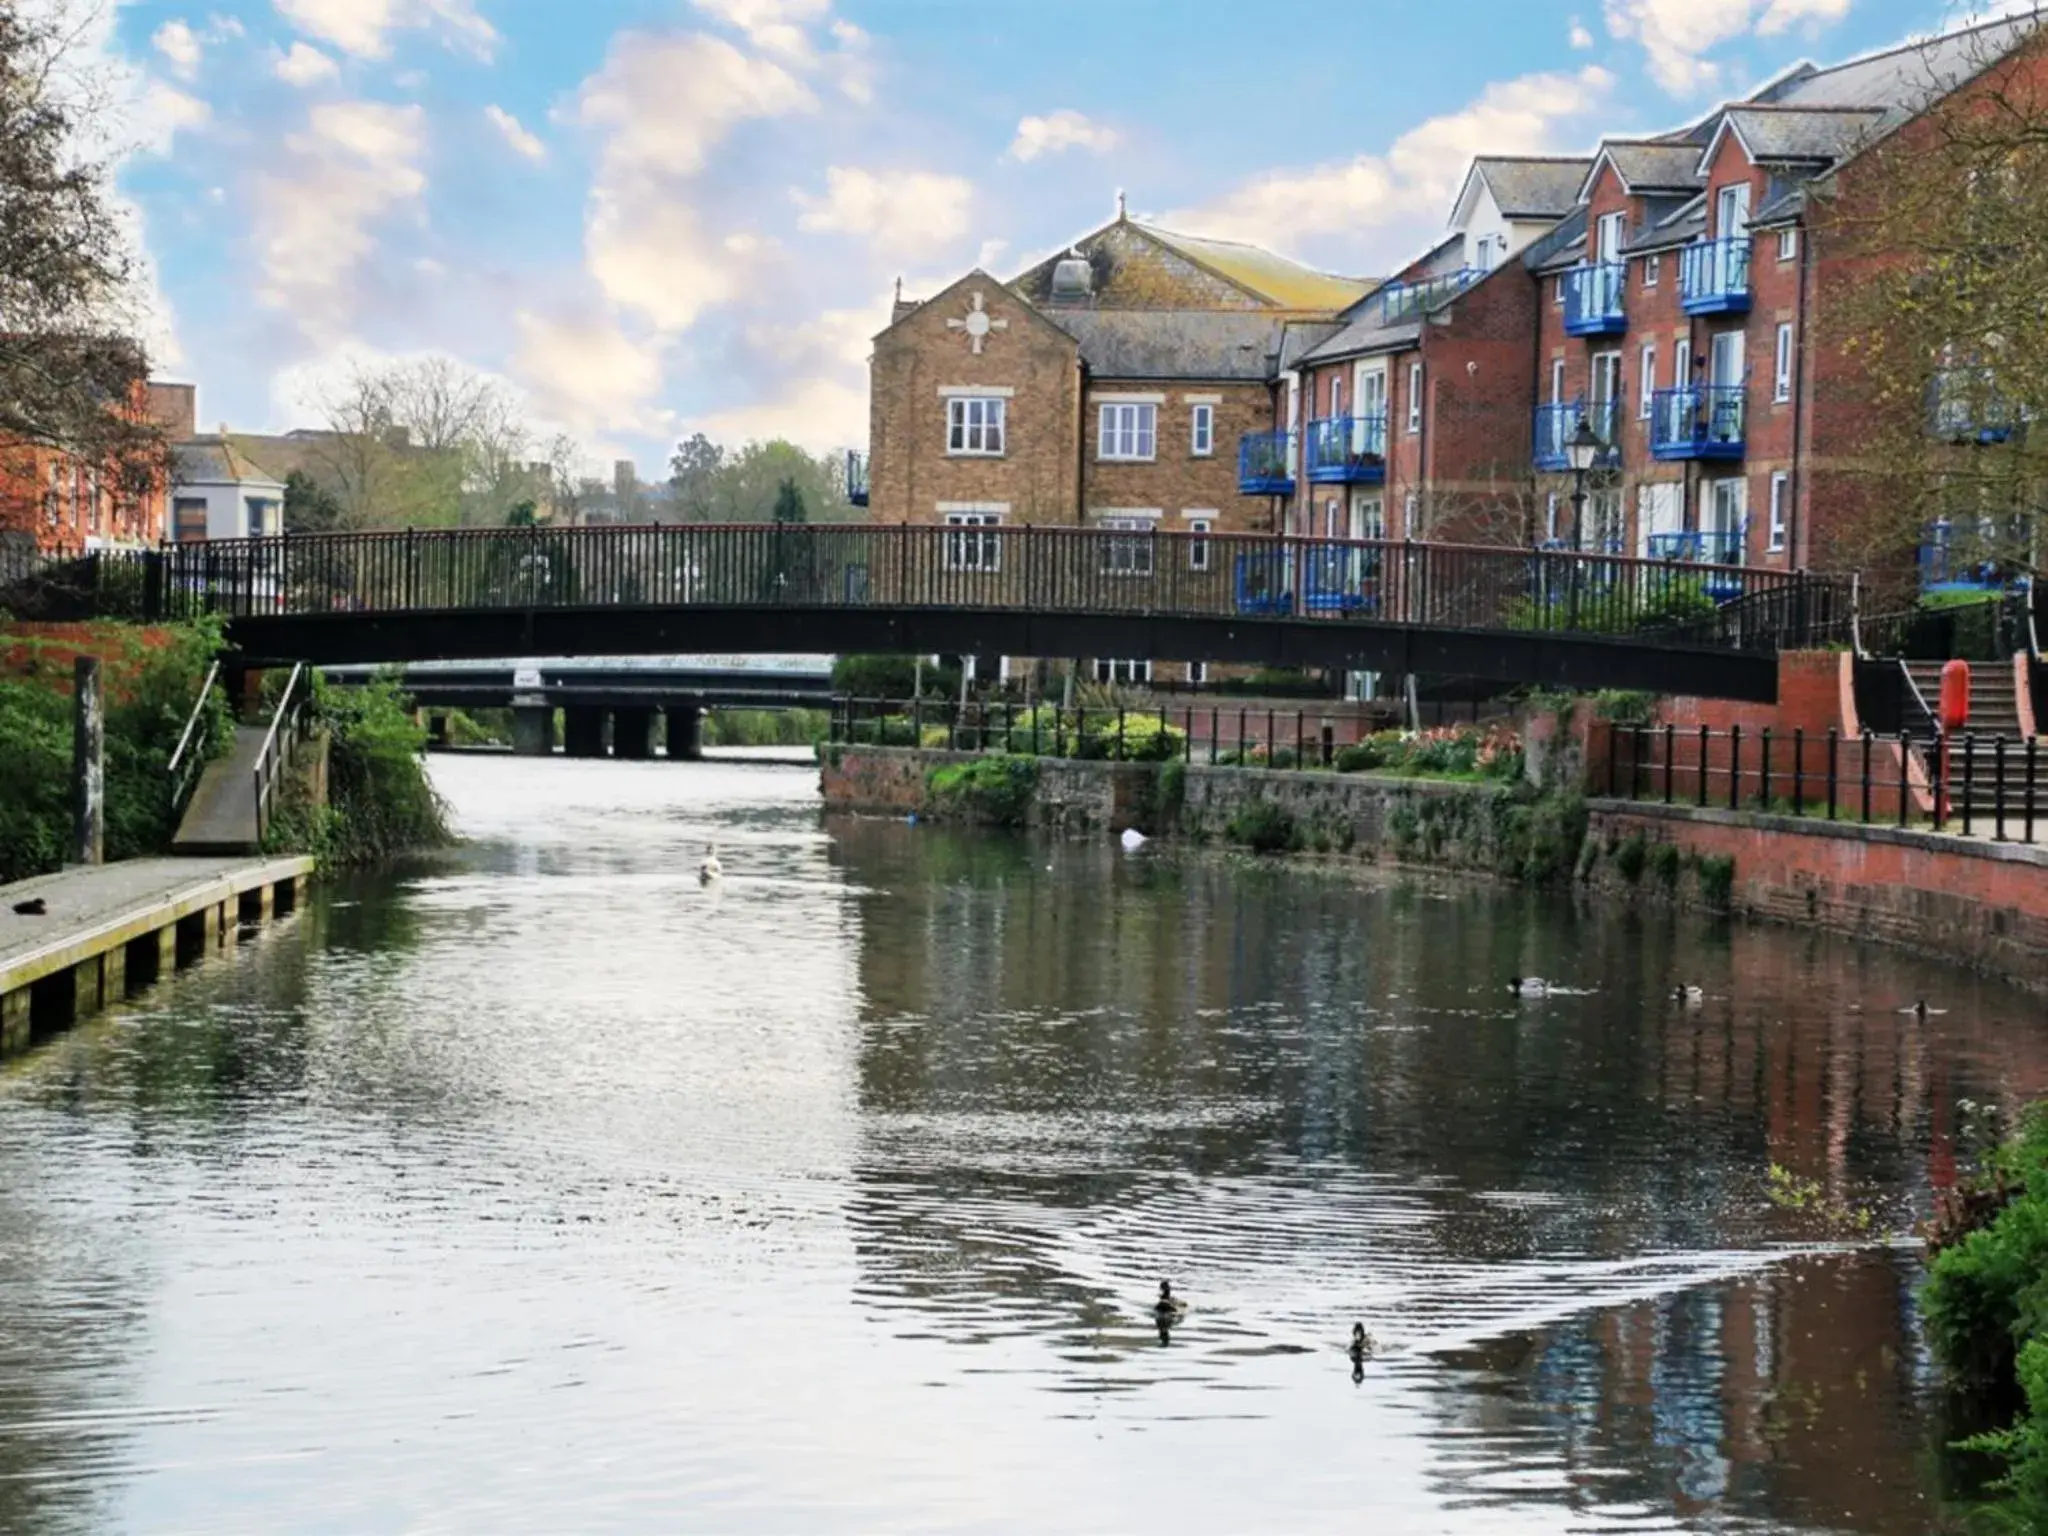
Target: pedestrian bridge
1512, 614
569, 682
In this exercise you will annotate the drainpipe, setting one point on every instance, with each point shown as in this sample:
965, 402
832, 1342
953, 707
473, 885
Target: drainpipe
1080, 443
1795, 481
1422, 436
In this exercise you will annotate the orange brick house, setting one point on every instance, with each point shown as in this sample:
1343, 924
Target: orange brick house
58, 503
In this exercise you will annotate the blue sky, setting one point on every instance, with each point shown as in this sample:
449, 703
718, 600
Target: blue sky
658, 216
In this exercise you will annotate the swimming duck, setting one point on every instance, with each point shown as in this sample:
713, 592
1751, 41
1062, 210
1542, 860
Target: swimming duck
710, 869
1169, 1308
1685, 992
1529, 986
1920, 1010
1362, 1344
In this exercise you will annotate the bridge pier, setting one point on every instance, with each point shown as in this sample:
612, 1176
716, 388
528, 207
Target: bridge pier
686, 733
583, 731
633, 732
533, 730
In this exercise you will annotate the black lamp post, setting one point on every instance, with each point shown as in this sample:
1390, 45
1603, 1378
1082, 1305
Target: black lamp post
1580, 452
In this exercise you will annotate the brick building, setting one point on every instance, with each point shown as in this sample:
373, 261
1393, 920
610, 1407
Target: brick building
57, 503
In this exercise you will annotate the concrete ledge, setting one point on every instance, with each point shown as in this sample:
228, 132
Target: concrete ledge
1973, 847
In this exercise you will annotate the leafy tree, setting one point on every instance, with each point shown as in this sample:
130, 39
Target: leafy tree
693, 476
789, 503
71, 374
309, 507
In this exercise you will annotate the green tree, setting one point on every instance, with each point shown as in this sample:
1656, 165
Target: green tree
693, 477
789, 503
309, 507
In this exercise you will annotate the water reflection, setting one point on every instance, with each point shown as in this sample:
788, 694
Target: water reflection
538, 1188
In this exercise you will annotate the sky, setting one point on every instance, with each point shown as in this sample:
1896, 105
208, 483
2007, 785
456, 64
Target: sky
656, 217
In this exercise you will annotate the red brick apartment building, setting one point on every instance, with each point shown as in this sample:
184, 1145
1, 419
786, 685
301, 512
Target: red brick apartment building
55, 502
1680, 294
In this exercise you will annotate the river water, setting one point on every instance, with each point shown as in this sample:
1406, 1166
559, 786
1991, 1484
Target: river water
538, 1189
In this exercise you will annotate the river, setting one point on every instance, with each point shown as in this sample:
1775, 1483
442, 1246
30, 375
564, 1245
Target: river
537, 1188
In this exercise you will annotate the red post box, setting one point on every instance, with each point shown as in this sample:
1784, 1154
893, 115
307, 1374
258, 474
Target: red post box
1955, 694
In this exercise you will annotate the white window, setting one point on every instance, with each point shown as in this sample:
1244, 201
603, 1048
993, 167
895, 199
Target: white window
1788, 243
1482, 253
1129, 554
1557, 381
1781, 376
1557, 291
1336, 394
1128, 431
1606, 378
974, 425
1646, 381
971, 543
1608, 238
1681, 363
1198, 672
1415, 397
1119, 670
1202, 431
1408, 511
1781, 486
1653, 269
1198, 543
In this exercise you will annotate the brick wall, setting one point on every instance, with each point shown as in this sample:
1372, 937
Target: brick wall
1479, 392
1178, 480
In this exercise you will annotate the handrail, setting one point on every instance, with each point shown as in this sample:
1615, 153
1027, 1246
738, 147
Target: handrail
180, 784
269, 762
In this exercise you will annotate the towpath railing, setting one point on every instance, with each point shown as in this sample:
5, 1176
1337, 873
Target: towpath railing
995, 569
183, 768
1975, 785
276, 754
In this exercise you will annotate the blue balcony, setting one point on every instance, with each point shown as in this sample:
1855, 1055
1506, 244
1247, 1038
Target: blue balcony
1265, 464
1340, 578
1965, 405
1959, 562
856, 478
1406, 301
1265, 581
1348, 450
1701, 421
1593, 299
1713, 277
1558, 422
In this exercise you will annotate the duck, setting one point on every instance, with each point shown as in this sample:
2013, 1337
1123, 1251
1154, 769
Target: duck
1169, 1308
33, 907
1362, 1344
1529, 986
711, 869
1686, 992
1920, 1010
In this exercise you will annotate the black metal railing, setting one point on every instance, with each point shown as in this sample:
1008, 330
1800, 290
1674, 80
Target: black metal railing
986, 569
194, 743
1975, 785
276, 754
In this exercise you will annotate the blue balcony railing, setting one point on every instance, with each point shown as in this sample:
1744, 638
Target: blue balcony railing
1713, 277
1953, 560
1265, 580
1341, 578
1558, 422
1701, 421
856, 478
1720, 549
1348, 450
1265, 464
1965, 405
1593, 299
1404, 301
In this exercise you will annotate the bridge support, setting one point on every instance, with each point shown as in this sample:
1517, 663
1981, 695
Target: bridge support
533, 730
583, 731
633, 732
686, 733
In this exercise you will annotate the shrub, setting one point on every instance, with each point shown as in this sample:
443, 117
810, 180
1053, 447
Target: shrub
380, 800
995, 789
1263, 827
1143, 739
1663, 863
892, 677
1717, 878
1628, 858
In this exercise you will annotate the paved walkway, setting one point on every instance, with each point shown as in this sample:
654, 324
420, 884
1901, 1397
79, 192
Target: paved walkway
222, 816
89, 908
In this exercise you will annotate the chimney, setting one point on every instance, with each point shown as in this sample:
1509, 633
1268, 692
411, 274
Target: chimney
175, 407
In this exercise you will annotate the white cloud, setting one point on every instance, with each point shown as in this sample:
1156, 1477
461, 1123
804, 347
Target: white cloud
779, 27
653, 256
584, 371
1064, 129
1581, 38
1676, 35
163, 112
1384, 205
516, 133
815, 413
363, 27
899, 213
357, 163
181, 48
665, 102
304, 65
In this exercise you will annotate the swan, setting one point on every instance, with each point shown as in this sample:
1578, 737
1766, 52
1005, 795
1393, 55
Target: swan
1920, 1010
1529, 986
711, 869
1133, 839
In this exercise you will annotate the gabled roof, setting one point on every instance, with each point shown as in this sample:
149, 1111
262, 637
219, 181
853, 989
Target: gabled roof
1228, 344
1910, 76
1282, 283
1523, 186
1646, 165
963, 282
216, 461
1810, 136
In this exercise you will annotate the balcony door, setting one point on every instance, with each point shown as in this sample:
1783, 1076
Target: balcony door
1724, 360
1606, 390
1371, 410
1608, 243
1368, 518
1660, 515
1731, 212
1725, 506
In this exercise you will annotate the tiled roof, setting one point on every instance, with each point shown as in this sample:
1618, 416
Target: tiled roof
1367, 334
1905, 79
215, 461
1654, 167
1533, 186
1282, 283
1231, 344
1819, 134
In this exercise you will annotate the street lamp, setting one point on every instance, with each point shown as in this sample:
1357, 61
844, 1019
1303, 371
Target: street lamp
1580, 452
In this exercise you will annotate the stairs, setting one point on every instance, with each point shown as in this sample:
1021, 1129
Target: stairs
221, 817
1994, 711
1994, 716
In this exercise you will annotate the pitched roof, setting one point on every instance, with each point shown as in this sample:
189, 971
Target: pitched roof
1282, 283
1819, 135
1532, 186
215, 461
1367, 333
1233, 344
1907, 78
1648, 165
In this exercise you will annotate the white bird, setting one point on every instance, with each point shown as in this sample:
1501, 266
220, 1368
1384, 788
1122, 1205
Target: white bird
1529, 986
1133, 839
710, 869
1688, 993
1920, 1010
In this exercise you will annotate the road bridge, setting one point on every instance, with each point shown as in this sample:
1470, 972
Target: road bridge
1556, 617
